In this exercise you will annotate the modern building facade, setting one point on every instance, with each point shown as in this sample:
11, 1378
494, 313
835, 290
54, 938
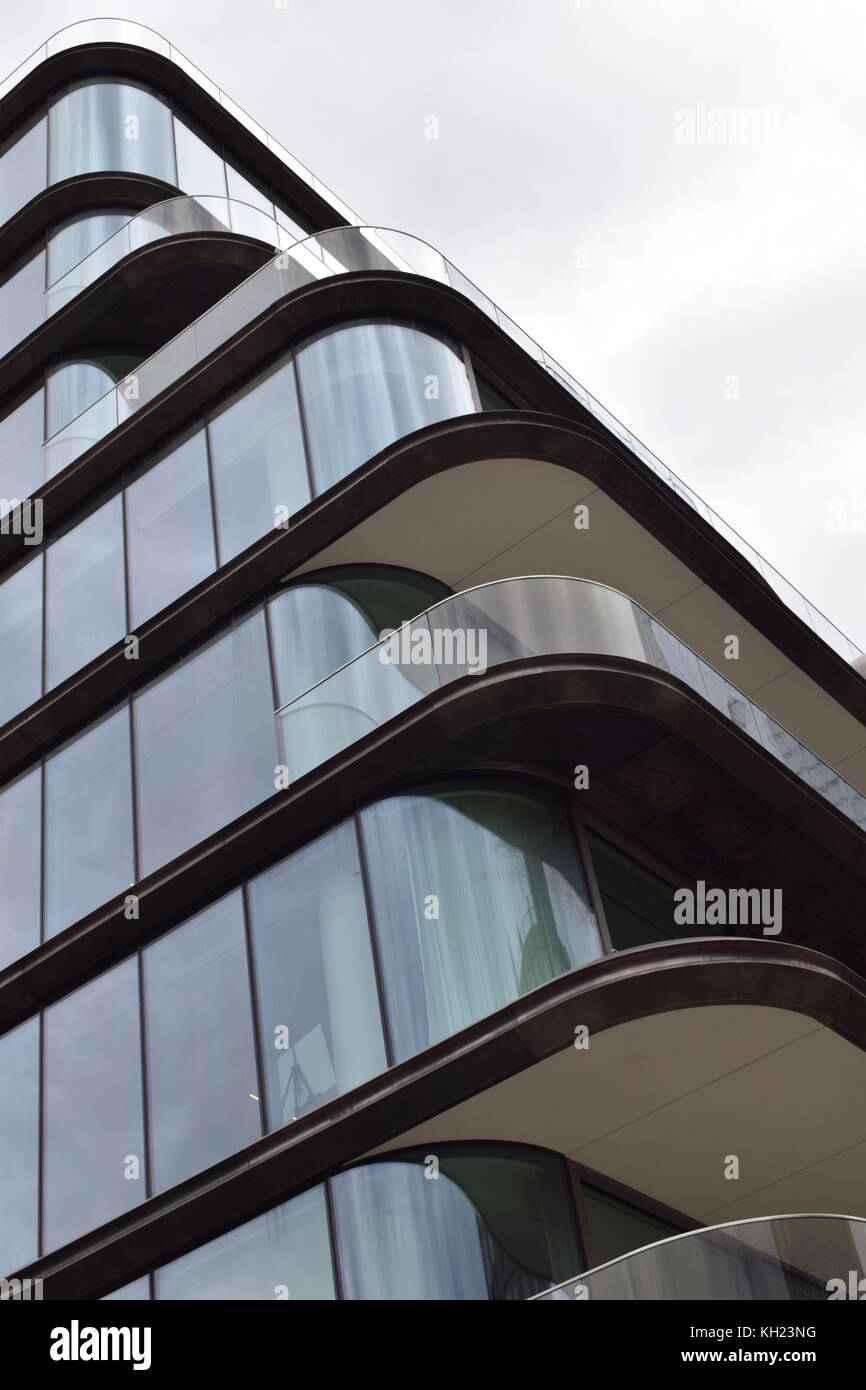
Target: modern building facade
432, 843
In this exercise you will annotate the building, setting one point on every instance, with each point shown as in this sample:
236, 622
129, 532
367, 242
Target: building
452, 963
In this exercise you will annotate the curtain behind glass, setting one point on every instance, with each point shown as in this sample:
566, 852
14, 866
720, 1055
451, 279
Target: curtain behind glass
110, 126
502, 872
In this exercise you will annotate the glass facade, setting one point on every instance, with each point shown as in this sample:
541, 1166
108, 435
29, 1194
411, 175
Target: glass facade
21, 638
20, 869
21, 434
110, 125
20, 302
85, 590
19, 1146
23, 168
170, 541
69, 243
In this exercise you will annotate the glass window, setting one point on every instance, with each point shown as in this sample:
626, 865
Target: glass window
616, 1227
88, 823
20, 867
21, 638
71, 389
490, 396
69, 244
110, 126
205, 743
316, 628
169, 529
200, 1054
86, 592
321, 1026
94, 1162
22, 302
479, 896
19, 1146
21, 468
258, 460
488, 1227
369, 384
248, 205
22, 169
638, 906
284, 1254
136, 1291
200, 170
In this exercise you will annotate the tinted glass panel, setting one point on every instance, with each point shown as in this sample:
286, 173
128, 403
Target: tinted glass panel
284, 1254
367, 385
205, 743
22, 302
85, 586
490, 396
169, 529
200, 170
316, 628
258, 460
22, 169
479, 896
20, 867
94, 1140
19, 1146
485, 1228
638, 906
201, 1058
21, 639
21, 468
617, 1227
321, 1026
110, 125
88, 823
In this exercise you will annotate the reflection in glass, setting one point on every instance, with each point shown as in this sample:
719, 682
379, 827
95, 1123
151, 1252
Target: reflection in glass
86, 592
110, 126
169, 529
21, 302
319, 1007
21, 469
23, 169
71, 389
258, 460
20, 867
200, 171
19, 1146
21, 639
88, 822
69, 244
366, 385
200, 1053
94, 1138
495, 1226
138, 1290
285, 1254
615, 1226
502, 871
205, 743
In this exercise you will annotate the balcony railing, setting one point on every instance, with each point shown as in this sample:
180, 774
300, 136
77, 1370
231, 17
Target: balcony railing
801, 1258
511, 620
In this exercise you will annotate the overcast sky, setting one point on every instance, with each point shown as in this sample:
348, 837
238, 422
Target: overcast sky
598, 173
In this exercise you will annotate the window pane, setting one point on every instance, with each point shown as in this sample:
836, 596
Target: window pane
111, 126
284, 1254
76, 239
316, 628
258, 460
169, 529
71, 389
638, 906
94, 1136
21, 639
85, 586
490, 396
19, 1146
21, 469
22, 170
139, 1289
617, 1227
320, 1017
200, 1052
205, 743
245, 220
502, 871
88, 823
200, 170
489, 1227
20, 867
367, 385
22, 304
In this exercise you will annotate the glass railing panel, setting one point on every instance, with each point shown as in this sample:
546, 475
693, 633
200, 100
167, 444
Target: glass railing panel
730, 701
81, 434
786, 1259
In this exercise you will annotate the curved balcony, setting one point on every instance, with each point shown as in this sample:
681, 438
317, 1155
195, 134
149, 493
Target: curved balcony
513, 620
347, 251
788, 1259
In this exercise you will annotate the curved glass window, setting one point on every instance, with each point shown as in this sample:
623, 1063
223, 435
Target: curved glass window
110, 126
371, 383
476, 1226
19, 1146
72, 387
317, 627
479, 896
75, 239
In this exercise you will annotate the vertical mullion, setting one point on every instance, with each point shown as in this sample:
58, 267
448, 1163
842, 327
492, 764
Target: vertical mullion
591, 880
217, 546
302, 418
470, 372
145, 1080
374, 941
258, 1040
40, 1133
332, 1236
